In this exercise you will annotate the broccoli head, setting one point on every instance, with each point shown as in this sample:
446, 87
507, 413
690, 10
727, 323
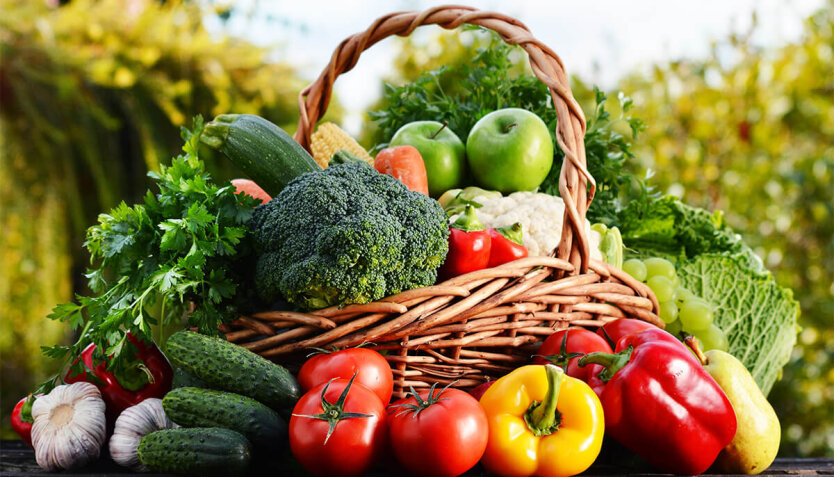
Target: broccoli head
347, 235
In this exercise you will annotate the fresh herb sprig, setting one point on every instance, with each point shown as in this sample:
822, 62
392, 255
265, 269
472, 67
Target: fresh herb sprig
606, 153
488, 84
179, 253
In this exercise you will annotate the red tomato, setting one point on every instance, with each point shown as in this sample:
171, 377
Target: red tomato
614, 330
338, 429
371, 370
565, 347
251, 189
443, 436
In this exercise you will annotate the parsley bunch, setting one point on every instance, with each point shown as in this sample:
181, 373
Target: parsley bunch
179, 253
486, 84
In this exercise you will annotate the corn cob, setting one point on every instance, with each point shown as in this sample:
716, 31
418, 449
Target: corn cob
330, 138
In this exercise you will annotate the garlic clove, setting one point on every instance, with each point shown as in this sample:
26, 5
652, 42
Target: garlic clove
132, 425
69, 427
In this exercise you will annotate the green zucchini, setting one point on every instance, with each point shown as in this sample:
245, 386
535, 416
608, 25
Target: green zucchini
264, 151
195, 451
183, 379
229, 367
195, 407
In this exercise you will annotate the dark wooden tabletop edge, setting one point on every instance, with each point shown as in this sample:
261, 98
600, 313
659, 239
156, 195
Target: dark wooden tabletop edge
18, 460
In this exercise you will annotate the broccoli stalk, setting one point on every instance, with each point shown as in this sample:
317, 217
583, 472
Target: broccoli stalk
346, 235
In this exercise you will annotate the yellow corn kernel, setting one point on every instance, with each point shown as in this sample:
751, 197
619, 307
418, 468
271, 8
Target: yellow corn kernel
330, 138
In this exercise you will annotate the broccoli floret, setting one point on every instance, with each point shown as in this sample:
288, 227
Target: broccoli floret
347, 235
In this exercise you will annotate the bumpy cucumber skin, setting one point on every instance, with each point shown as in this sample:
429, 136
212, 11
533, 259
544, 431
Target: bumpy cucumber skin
183, 379
195, 407
229, 367
195, 451
264, 151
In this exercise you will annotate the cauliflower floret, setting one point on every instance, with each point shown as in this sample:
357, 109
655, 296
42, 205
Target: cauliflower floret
540, 216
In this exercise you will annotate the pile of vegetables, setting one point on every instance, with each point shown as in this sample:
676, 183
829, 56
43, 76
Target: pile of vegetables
342, 228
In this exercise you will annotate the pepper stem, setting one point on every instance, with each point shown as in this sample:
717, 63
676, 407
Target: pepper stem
512, 233
612, 362
468, 221
543, 418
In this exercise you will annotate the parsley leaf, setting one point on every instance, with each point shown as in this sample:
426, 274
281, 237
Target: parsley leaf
181, 249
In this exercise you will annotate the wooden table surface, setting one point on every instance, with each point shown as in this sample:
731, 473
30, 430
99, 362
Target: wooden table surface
16, 459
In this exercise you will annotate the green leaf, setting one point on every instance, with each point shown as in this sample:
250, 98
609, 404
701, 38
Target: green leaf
758, 316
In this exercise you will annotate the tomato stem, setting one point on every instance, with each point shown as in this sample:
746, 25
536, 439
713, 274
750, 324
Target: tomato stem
563, 358
432, 398
334, 412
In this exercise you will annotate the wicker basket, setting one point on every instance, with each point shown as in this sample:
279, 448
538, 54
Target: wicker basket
482, 324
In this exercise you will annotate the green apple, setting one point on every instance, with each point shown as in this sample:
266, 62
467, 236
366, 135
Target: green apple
442, 150
510, 150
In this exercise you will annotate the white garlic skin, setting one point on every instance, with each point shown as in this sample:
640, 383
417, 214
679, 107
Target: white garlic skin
133, 424
69, 427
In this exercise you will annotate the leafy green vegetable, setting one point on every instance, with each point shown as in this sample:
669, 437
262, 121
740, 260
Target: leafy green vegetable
183, 246
347, 235
669, 227
758, 316
488, 85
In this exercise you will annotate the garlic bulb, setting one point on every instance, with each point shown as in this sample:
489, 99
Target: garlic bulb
133, 424
69, 427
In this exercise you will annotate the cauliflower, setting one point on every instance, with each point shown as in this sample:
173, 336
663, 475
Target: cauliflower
540, 215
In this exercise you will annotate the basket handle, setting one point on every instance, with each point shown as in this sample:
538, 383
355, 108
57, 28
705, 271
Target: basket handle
546, 65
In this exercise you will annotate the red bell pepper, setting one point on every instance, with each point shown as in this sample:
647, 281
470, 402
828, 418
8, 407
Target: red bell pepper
660, 403
22, 420
614, 330
506, 245
150, 377
469, 246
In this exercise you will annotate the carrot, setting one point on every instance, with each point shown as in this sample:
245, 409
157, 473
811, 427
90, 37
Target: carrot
406, 165
251, 188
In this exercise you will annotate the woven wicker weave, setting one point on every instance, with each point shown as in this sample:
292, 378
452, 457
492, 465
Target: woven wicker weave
483, 323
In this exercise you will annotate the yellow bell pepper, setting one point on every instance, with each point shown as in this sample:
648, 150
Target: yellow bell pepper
541, 422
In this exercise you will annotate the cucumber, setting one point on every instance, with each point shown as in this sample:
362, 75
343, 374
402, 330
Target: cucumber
264, 151
229, 367
195, 451
195, 407
183, 379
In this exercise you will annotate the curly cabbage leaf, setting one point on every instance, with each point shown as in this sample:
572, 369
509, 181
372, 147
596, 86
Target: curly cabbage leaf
758, 316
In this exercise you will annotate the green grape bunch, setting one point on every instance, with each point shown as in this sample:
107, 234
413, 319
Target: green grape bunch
683, 312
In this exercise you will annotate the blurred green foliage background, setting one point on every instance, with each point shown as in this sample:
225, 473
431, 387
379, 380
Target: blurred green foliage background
93, 101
